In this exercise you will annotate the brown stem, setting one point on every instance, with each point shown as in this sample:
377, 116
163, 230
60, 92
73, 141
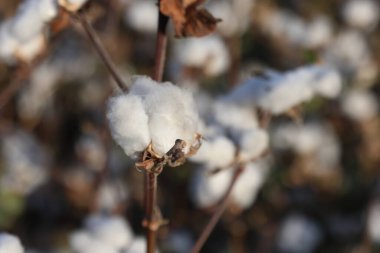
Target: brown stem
218, 214
95, 41
150, 185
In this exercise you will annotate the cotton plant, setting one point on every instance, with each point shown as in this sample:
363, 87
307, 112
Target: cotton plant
162, 123
10, 244
279, 92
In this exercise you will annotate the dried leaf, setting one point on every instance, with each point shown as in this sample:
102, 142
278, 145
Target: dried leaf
187, 19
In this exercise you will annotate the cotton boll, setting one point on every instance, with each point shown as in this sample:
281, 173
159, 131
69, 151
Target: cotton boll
28, 50
206, 189
8, 43
209, 53
171, 111
111, 230
84, 242
25, 162
128, 123
252, 144
142, 16
360, 105
373, 222
138, 245
234, 116
224, 10
10, 244
46, 9
327, 82
216, 152
91, 151
111, 194
248, 185
361, 13
298, 234
319, 32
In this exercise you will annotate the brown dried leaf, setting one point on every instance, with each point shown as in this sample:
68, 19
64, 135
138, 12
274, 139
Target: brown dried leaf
187, 19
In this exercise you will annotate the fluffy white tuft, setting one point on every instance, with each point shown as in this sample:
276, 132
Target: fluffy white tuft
252, 144
360, 105
128, 123
142, 16
10, 244
361, 13
83, 242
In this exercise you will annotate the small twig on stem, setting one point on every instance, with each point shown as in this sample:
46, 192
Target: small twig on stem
218, 214
150, 184
94, 39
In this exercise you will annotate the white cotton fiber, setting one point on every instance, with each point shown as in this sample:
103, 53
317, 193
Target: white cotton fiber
111, 230
360, 105
83, 242
248, 185
10, 244
142, 16
252, 144
216, 152
28, 50
361, 13
8, 43
128, 123
72, 5
207, 189
327, 82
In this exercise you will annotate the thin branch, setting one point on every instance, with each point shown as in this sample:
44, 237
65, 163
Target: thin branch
218, 214
161, 43
95, 41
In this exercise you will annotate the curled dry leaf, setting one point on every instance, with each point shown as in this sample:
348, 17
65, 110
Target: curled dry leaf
188, 19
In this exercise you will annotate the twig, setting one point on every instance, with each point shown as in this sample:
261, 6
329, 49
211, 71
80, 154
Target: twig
218, 214
94, 39
150, 184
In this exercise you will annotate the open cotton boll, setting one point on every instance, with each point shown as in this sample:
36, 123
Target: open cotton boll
360, 105
248, 185
319, 32
206, 190
111, 194
8, 43
252, 144
327, 82
298, 234
216, 152
128, 123
361, 13
234, 116
83, 242
171, 111
138, 245
142, 16
209, 53
112, 230
10, 244
72, 5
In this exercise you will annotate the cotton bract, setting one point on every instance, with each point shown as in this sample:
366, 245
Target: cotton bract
153, 113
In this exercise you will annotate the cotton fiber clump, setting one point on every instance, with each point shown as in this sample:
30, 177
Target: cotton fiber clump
360, 105
142, 16
277, 93
72, 5
361, 13
156, 113
106, 234
10, 244
208, 53
207, 189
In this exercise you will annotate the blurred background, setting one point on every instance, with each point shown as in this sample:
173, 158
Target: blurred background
321, 192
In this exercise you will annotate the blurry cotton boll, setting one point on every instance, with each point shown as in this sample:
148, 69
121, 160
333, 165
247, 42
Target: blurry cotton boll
72, 5
234, 14
252, 144
318, 33
84, 242
277, 93
27, 51
234, 116
10, 244
25, 162
248, 185
360, 105
373, 221
42, 83
159, 114
9, 44
138, 245
91, 151
216, 152
206, 188
209, 53
298, 234
142, 16
111, 230
361, 13
111, 195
